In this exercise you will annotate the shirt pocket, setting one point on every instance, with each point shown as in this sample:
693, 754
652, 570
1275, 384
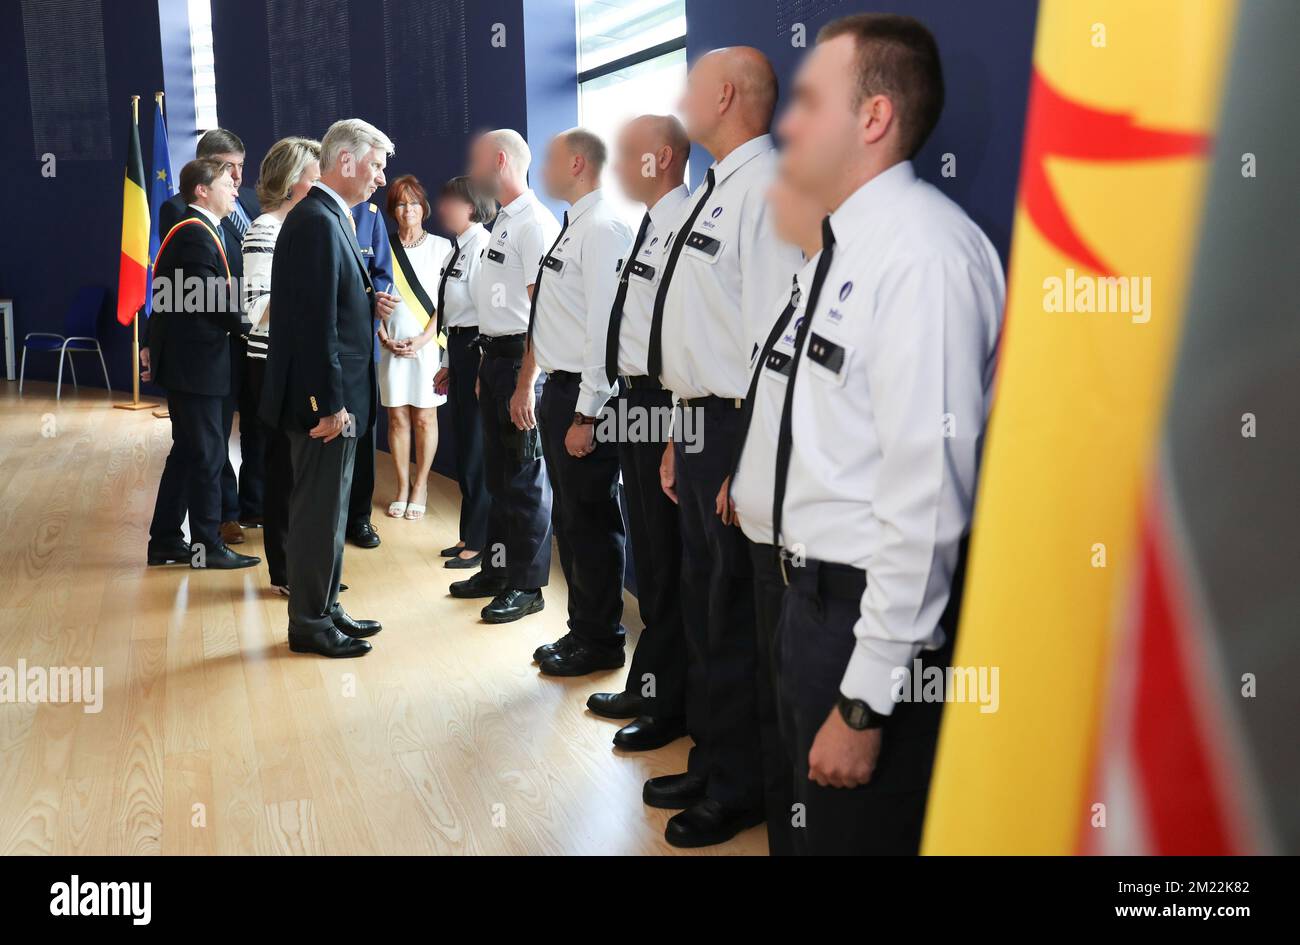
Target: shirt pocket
828, 360
704, 247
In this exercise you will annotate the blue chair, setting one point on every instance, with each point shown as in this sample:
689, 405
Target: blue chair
79, 323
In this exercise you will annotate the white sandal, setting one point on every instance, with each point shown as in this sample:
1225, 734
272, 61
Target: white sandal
396, 509
414, 512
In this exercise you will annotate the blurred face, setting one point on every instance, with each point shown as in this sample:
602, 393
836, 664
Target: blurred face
310, 174
821, 132
484, 166
454, 214
796, 217
632, 166
409, 210
701, 103
557, 171
234, 161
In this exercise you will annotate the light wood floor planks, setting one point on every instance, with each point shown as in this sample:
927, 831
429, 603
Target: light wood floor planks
215, 739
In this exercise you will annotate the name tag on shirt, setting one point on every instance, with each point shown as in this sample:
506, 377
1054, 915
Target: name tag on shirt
825, 352
455, 274
778, 363
496, 257
638, 268
553, 264
707, 245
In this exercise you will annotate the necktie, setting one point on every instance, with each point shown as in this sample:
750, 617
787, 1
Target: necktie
442, 283
238, 221
748, 413
537, 283
616, 313
784, 437
655, 361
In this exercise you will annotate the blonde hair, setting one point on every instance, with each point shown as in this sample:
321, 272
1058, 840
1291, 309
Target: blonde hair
282, 167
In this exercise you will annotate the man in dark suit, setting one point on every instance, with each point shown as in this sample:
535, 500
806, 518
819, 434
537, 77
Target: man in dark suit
196, 309
241, 499
321, 387
372, 237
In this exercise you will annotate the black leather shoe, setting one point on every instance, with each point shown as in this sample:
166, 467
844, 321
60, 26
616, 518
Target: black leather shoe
458, 562
452, 551
356, 629
251, 521
330, 642
615, 705
169, 552
221, 558
579, 659
550, 649
480, 585
707, 823
511, 605
363, 535
647, 734
673, 791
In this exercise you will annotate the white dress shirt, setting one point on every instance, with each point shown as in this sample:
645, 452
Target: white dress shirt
643, 282
752, 488
891, 397
576, 294
719, 300
458, 301
524, 230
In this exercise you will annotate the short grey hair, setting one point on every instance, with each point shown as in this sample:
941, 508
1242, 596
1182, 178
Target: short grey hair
354, 136
588, 144
514, 146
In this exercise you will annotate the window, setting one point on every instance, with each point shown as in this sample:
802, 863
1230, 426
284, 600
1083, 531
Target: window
205, 76
631, 61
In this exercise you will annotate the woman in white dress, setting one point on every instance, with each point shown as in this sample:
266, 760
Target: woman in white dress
410, 355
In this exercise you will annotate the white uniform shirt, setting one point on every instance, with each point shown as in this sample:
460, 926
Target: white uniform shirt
523, 232
719, 301
458, 300
890, 402
643, 282
580, 278
751, 490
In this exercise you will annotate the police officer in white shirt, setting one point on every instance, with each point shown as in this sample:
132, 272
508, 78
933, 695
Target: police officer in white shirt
462, 210
650, 163
572, 296
797, 219
878, 443
517, 559
722, 272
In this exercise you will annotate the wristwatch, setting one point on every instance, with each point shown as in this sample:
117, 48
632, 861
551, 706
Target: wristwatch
582, 420
857, 715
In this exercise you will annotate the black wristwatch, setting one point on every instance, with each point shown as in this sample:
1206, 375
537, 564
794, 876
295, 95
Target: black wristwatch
857, 715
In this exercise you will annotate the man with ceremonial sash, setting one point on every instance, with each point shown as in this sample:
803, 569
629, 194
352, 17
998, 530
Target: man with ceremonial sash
188, 352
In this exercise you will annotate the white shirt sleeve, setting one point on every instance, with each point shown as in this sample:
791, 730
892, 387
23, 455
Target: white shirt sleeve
602, 249
767, 264
257, 273
924, 369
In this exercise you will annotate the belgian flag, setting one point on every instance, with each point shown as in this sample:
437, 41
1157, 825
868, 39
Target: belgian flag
133, 270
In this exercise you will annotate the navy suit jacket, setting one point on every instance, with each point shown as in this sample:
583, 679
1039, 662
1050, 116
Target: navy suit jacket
322, 320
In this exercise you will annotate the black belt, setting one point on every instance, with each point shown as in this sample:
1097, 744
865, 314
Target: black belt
503, 346
823, 578
640, 382
462, 329
564, 377
713, 400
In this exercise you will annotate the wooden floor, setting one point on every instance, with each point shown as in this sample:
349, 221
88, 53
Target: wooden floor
215, 739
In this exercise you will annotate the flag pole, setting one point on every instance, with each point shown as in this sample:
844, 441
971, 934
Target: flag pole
136, 403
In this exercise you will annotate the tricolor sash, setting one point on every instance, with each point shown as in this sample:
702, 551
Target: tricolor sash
216, 239
410, 288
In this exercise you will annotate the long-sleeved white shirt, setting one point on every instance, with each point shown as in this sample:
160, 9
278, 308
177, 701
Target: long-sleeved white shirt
580, 277
732, 267
890, 402
523, 231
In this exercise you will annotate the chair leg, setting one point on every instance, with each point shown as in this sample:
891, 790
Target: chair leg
100, 351
22, 371
58, 388
72, 366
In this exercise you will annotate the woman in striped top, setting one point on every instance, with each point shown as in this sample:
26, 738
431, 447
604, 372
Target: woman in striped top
288, 171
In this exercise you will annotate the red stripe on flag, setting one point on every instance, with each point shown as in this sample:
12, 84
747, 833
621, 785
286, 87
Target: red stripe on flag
131, 281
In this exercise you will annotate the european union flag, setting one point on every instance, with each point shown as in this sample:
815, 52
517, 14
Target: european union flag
162, 186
